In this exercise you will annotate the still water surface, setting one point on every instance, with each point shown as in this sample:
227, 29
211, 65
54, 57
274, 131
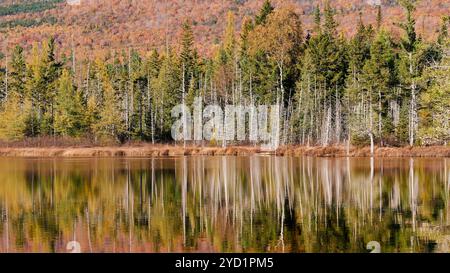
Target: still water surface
225, 204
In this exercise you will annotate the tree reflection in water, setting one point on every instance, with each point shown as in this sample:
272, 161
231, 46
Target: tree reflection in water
224, 204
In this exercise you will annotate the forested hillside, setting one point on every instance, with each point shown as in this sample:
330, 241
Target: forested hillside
381, 81
98, 25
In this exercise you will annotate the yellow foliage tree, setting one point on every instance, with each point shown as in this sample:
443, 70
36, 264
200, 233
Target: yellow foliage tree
13, 118
279, 38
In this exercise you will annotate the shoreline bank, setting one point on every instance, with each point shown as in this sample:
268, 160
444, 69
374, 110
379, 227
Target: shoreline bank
177, 150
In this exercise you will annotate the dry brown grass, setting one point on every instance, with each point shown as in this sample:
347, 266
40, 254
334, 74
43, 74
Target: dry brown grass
147, 150
49, 141
341, 151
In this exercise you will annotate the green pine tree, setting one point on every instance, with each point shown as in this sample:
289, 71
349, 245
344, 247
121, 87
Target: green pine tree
266, 9
69, 108
379, 78
434, 108
167, 94
17, 73
188, 56
110, 125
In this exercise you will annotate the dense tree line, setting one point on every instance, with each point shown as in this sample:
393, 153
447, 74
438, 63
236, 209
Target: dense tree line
29, 6
28, 22
370, 88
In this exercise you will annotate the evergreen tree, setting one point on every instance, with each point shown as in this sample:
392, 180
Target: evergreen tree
379, 17
379, 76
359, 53
152, 67
317, 20
41, 77
51, 71
330, 24
138, 96
244, 57
153, 64
229, 42
188, 56
414, 57
69, 109
110, 124
435, 102
17, 73
323, 74
91, 116
409, 41
35, 85
443, 32
328, 62
168, 93
226, 61
266, 9
2, 86
359, 49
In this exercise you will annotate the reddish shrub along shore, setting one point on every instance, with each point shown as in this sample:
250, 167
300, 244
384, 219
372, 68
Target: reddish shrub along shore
174, 150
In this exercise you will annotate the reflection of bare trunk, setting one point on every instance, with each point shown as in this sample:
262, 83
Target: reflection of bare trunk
74, 235
372, 170
131, 224
88, 229
32, 189
327, 183
183, 197
380, 188
152, 186
252, 195
53, 177
412, 199
447, 189
337, 193
225, 181
281, 239
129, 211
6, 227
315, 194
412, 192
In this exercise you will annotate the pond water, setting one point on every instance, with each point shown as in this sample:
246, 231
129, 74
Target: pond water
225, 204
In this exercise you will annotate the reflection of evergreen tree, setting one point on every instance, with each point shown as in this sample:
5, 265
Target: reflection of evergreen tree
110, 200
